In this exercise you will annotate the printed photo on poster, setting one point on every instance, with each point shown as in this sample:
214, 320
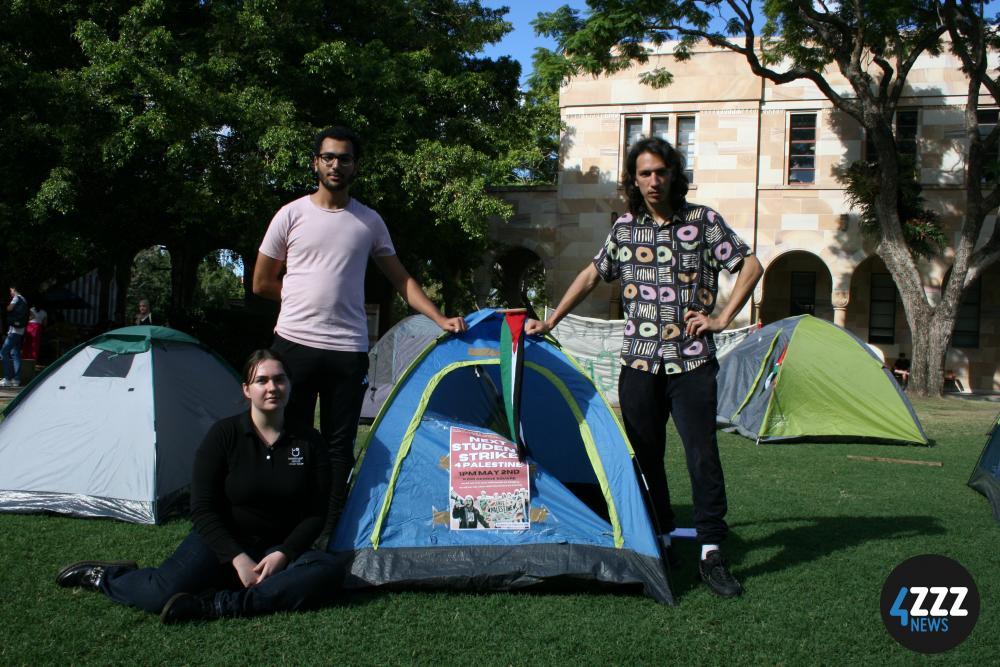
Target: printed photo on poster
490, 487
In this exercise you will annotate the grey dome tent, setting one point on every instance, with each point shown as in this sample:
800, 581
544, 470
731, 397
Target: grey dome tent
391, 356
986, 475
803, 378
110, 429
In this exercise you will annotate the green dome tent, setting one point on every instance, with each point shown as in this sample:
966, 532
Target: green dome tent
803, 378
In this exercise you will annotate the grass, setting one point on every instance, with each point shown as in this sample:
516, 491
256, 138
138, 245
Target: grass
814, 535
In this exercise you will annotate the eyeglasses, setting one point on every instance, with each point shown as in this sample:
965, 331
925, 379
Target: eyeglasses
344, 159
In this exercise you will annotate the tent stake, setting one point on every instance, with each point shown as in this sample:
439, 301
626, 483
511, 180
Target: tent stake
882, 459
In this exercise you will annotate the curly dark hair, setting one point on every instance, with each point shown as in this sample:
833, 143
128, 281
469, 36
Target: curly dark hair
674, 161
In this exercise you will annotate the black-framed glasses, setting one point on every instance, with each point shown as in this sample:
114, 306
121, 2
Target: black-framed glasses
343, 159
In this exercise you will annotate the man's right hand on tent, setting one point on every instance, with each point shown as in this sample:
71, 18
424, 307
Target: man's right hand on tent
245, 569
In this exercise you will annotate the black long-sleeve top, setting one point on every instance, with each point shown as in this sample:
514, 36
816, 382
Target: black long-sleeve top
247, 496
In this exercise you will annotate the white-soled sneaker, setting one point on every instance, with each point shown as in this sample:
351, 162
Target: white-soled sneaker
716, 575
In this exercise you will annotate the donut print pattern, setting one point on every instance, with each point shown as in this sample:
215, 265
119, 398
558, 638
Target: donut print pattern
664, 272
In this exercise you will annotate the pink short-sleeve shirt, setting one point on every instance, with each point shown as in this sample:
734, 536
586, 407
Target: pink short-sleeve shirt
326, 253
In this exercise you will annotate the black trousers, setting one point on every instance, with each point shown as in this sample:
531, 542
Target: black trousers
338, 379
307, 582
647, 402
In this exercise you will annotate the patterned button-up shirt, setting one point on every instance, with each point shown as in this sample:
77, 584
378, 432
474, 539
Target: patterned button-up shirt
665, 271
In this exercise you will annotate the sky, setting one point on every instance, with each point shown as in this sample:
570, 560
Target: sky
521, 42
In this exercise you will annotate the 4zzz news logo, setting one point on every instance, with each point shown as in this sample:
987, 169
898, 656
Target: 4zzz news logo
921, 619
930, 603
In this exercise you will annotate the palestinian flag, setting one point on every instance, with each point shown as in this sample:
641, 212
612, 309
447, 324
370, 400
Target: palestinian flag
775, 368
512, 372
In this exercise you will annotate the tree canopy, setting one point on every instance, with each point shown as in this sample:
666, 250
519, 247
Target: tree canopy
132, 123
872, 45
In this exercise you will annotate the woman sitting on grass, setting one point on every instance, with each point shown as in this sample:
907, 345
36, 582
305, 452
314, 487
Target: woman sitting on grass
259, 498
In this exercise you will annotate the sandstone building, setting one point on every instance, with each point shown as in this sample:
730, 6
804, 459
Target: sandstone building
767, 158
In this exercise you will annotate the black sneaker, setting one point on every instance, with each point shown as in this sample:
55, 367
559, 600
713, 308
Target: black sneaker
88, 574
715, 573
185, 607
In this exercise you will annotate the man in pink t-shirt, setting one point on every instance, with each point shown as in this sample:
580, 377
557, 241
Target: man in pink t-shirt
313, 260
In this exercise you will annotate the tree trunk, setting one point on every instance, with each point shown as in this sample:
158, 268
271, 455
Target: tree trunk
105, 272
123, 278
184, 260
249, 263
924, 318
930, 330
450, 282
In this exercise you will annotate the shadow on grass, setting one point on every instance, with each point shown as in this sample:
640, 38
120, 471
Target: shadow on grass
807, 539
816, 537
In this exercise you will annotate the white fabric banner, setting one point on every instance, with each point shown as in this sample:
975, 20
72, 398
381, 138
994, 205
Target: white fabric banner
597, 344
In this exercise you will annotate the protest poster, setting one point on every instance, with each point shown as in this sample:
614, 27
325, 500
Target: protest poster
489, 485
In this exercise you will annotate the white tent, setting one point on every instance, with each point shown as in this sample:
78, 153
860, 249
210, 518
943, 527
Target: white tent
110, 429
596, 344
391, 356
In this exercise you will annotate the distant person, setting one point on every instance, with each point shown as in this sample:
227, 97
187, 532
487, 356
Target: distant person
10, 353
901, 369
259, 496
952, 383
37, 319
144, 317
313, 260
668, 253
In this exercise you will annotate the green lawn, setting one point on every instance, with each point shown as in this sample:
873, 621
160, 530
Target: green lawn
814, 535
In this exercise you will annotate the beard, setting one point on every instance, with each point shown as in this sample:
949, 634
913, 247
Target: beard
338, 186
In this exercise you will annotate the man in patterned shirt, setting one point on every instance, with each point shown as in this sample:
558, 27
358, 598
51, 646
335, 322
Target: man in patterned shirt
668, 254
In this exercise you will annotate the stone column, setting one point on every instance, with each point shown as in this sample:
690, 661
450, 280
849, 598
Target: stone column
840, 299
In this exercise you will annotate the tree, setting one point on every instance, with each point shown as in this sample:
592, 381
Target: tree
132, 123
218, 281
873, 45
150, 280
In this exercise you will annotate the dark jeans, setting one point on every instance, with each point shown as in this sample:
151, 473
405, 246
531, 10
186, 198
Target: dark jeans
647, 402
339, 379
307, 582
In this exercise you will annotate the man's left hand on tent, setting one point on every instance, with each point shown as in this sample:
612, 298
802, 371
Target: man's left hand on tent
453, 324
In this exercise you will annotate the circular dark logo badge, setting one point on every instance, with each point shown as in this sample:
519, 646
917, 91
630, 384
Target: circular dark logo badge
930, 603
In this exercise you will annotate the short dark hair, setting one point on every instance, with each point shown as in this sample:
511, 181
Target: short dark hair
674, 161
257, 356
340, 133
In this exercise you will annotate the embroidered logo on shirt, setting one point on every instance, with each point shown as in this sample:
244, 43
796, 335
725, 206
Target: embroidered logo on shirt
296, 459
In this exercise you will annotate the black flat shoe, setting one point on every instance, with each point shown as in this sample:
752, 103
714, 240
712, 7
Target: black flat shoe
88, 574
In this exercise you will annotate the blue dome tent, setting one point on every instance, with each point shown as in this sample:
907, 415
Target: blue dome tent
576, 517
